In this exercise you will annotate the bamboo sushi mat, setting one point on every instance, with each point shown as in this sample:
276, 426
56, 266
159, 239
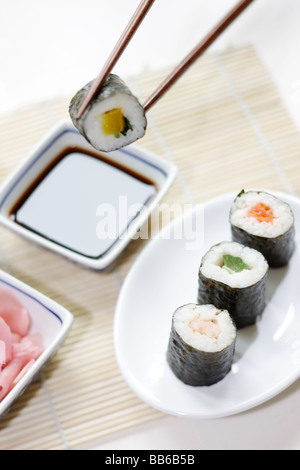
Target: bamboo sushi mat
225, 127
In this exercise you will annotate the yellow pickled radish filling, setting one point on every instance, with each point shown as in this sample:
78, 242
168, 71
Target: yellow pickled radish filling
113, 122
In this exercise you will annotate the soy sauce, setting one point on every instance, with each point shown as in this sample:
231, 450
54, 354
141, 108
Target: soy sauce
79, 194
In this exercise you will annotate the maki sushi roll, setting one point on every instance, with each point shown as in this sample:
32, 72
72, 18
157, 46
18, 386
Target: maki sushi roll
201, 345
265, 223
233, 277
113, 119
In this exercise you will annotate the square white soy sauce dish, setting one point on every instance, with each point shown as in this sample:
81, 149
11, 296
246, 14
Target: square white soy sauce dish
48, 319
83, 204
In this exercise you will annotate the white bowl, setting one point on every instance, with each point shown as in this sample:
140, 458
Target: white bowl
86, 196
48, 319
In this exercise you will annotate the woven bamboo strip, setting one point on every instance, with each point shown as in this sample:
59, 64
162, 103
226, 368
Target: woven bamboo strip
200, 125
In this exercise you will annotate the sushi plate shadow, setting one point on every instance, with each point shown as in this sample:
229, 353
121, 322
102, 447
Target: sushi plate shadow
164, 277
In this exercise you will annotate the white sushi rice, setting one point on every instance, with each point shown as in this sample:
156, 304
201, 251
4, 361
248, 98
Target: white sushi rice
132, 110
213, 262
185, 315
283, 215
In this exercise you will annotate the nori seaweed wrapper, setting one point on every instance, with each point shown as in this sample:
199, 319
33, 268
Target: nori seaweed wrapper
112, 85
195, 367
245, 305
277, 251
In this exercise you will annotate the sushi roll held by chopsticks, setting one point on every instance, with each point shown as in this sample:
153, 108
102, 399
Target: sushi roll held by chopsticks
113, 119
201, 345
105, 111
233, 277
265, 223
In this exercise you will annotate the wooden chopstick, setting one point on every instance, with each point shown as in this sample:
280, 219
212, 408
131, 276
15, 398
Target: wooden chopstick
118, 50
129, 32
196, 52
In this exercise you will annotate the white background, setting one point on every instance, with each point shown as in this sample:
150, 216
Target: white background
52, 48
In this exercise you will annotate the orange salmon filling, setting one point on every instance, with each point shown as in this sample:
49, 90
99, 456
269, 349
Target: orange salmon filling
262, 213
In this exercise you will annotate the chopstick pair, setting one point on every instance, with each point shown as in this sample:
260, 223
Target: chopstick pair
129, 32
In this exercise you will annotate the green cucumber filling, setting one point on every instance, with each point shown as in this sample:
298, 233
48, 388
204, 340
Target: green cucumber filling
234, 264
127, 126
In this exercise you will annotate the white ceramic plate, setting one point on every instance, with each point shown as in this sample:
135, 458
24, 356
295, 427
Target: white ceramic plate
165, 276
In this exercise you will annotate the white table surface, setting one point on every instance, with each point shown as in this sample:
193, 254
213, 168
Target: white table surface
50, 49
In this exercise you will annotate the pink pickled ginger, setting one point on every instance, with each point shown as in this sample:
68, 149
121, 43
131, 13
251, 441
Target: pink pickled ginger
14, 313
5, 343
18, 349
